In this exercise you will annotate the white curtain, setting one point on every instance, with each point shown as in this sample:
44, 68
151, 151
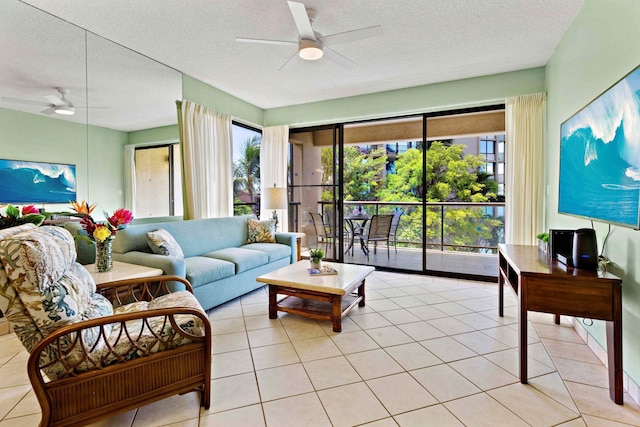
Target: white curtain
273, 168
525, 169
130, 178
207, 162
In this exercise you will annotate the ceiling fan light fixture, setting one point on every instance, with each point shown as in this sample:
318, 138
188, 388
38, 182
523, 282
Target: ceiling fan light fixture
65, 110
310, 50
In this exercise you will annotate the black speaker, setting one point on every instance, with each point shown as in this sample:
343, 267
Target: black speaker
585, 249
561, 242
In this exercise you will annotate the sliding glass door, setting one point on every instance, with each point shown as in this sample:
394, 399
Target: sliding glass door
315, 190
419, 193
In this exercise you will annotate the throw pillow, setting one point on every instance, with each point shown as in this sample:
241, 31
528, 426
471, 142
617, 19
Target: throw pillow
261, 231
162, 242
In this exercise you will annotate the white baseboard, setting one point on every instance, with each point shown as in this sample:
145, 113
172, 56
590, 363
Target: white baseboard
628, 384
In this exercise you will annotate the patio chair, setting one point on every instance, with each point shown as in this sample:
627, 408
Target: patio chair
377, 230
394, 229
324, 233
96, 351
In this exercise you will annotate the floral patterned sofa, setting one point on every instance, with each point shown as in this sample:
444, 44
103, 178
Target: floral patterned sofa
98, 350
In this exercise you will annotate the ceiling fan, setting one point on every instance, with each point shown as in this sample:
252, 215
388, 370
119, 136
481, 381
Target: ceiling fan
313, 45
58, 104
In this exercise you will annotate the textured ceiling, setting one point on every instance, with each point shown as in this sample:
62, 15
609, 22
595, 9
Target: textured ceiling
423, 41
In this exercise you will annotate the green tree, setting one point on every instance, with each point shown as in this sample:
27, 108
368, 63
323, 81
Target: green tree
246, 170
451, 176
363, 173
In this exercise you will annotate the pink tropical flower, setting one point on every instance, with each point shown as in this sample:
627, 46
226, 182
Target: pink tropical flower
120, 217
30, 210
100, 231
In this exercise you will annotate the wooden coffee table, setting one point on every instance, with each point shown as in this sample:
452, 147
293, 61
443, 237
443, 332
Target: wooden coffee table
317, 297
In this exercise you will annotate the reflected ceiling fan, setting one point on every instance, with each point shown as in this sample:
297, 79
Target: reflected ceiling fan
313, 45
58, 104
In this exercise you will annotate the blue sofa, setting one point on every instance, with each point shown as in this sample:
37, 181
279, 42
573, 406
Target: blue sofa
86, 250
217, 259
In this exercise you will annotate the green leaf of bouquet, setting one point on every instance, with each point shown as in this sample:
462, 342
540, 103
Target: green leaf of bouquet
36, 219
13, 211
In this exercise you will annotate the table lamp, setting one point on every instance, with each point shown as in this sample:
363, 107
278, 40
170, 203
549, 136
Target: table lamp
276, 198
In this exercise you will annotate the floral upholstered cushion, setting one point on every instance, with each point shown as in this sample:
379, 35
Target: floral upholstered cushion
261, 231
42, 289
41, 255
40, 264
12, 231
156, 334
162, 242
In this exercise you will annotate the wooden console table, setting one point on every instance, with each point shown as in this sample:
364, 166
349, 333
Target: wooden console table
545, 285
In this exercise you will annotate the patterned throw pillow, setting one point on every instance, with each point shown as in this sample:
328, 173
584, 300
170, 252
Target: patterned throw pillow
261, 231
162, 242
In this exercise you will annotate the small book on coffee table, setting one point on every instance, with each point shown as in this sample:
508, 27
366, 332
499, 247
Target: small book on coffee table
324, 270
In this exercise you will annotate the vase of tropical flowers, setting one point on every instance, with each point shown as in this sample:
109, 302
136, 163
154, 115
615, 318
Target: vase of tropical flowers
103, 233
14, 216
315, 257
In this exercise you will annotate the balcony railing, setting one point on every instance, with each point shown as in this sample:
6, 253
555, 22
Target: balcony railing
457, 226
451, 226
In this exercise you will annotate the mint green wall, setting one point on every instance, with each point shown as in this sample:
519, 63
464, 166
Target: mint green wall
448, 95
99, 169
161, 134
600, 48
440, 96
106, 168
203, 94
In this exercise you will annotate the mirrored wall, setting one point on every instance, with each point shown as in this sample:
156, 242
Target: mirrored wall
49, 66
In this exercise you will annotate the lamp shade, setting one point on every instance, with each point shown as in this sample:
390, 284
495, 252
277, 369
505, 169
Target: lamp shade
276, 198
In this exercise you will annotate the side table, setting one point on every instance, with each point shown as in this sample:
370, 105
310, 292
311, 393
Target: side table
122, 271
543, 284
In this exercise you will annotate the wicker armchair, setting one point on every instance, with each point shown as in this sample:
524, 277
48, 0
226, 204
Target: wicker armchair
98, 351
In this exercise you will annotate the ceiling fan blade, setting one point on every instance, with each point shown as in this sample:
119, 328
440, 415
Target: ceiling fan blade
24, 101
289, 62
301, 18
49, 111
264, 41
342, 61
55, 100
353, 35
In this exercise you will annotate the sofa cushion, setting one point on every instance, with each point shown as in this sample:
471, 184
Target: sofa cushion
244, 259
195, 237
275, 251
162, 242
203, 270
261, 231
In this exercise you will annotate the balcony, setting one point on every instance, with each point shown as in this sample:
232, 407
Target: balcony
461, 238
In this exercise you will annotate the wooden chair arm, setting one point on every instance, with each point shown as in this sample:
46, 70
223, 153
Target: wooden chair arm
70, 340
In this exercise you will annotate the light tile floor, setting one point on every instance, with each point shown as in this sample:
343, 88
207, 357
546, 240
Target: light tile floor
425, 351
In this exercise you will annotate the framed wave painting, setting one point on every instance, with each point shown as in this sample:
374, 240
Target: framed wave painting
36, 182
600, 157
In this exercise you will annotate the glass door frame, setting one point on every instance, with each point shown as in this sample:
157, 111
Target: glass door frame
337, 186
337, 191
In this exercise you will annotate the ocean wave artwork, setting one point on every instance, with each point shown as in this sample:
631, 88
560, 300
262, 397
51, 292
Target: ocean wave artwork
600, 157
36, 182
